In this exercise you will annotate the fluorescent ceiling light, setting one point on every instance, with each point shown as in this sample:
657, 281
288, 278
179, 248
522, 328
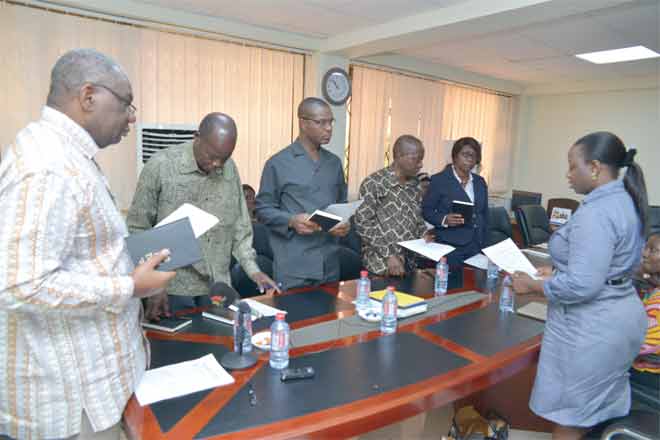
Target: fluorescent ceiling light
619, 55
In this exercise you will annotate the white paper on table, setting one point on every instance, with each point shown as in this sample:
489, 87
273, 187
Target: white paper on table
509, 258
262, 309
343, 210
433, 251
180, 379
480, 261
200, 220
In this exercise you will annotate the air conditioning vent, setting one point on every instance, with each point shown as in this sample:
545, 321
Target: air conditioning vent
154, 138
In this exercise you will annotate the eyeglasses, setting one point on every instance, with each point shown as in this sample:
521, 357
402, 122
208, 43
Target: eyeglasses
320, 122
128, 104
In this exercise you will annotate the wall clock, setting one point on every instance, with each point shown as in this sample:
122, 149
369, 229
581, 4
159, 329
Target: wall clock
336, 86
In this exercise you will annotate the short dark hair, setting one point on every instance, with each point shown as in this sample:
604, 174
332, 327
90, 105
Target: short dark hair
608, 149
423, 176
466, 142
403, 141
246, 186
309, 103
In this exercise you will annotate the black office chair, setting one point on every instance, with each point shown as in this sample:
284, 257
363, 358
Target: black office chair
640, 424
261, 240
499, 226
350, 264
654, 220
534, 225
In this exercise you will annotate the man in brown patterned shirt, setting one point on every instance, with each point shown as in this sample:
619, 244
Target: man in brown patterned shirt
391, 211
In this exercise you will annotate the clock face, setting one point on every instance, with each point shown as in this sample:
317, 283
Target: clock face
336, 86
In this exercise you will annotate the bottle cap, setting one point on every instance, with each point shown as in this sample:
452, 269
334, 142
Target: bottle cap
279, 316
390, 288
443, 259
363, 273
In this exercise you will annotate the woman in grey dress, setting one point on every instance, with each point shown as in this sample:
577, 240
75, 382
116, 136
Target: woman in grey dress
596, 322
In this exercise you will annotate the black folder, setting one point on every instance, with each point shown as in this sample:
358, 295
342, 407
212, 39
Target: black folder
324, 219
466, 209
177, 236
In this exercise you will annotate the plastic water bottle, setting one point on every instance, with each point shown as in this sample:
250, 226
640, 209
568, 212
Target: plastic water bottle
507, 296
279, 343
441, 277
493, 270
362, 301
245, 318
390, 309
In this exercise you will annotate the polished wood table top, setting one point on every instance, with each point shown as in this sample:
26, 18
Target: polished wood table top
480, 371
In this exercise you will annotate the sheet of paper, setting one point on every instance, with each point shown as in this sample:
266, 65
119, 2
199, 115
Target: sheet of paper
509, 258
480, 261
344, 210
200, 220
261, 309
180, 379
433, 251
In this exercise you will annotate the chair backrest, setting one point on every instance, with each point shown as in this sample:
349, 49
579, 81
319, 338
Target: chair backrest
562, 203
533, 221
654, 220
261, 240
499, 225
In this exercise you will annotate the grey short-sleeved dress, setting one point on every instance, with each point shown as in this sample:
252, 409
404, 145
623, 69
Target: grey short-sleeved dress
594, 330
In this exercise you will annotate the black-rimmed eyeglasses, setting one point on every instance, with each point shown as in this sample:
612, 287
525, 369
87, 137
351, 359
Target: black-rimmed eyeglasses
320, 122
129, 105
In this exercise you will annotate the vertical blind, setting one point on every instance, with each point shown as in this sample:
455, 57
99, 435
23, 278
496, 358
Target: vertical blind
386, 105
176, 79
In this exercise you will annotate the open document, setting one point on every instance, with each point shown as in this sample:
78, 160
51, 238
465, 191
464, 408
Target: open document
480, 261
200, 220
343, 210
509, 258
180, 379
433, 251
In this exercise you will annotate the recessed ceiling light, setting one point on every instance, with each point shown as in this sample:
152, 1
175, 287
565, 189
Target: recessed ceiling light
619, 55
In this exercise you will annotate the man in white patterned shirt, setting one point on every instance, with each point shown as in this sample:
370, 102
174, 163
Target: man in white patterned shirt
71, 347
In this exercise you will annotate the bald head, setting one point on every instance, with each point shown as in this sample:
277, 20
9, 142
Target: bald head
408, 153
218, 124
78, 67
311, 106
215, 141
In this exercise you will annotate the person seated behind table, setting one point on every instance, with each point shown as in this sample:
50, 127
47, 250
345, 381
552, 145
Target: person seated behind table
250, 200
458, 182
390, 211
649, 356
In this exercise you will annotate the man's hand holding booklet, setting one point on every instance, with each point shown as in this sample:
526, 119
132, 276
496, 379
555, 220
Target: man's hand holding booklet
334, 214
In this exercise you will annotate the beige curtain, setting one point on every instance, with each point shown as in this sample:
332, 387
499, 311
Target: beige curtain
369, 109
387, 105
176, 79
488, 118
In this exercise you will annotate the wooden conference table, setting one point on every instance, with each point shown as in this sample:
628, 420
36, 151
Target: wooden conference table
461, 348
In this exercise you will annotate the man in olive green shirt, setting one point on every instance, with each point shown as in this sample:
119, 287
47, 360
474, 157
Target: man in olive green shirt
201, 173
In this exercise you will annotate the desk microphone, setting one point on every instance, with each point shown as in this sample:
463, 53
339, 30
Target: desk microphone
239, 360
224, 290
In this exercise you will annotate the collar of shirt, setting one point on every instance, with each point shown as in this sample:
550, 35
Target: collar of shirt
459, 179
189, 165
393, 179
78, 136
608, 189
298, 150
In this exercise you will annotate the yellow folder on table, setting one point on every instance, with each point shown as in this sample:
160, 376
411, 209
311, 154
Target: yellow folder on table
404, 300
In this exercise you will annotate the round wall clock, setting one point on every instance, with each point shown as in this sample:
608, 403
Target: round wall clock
336, 86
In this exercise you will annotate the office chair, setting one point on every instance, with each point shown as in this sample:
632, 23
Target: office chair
533, 221
499, 225
562, 203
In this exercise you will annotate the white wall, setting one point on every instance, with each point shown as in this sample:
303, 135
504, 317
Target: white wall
549, 125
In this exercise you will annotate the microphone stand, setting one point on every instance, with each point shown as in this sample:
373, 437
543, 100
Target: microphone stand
239, 360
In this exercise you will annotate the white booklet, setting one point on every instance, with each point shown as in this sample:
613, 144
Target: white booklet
180, 379
260, 309
433, 251
480, 261
200, 220
509, 258
343, 210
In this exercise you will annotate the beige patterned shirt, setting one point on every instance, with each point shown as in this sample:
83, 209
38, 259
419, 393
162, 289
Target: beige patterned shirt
70, 338
391, 212
172, 178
